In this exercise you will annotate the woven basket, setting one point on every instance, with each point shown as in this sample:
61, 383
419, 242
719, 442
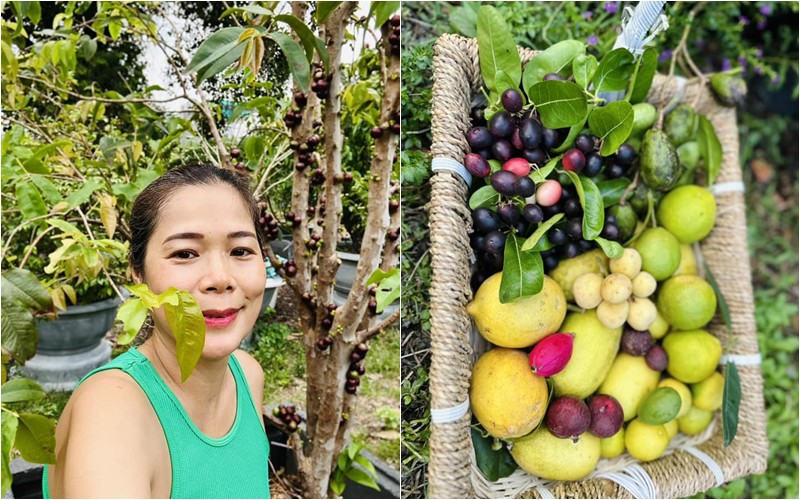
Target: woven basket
691, 464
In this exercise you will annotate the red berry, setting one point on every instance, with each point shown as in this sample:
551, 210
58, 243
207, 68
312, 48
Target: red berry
574, 160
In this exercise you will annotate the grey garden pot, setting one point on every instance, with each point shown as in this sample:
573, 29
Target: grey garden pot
78, 329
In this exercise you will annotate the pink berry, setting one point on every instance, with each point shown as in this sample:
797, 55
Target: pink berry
548, 193
518, 166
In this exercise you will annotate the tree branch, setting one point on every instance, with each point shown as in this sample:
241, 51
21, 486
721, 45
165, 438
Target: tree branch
364, 335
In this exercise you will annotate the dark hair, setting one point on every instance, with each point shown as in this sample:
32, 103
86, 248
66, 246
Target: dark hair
148, 205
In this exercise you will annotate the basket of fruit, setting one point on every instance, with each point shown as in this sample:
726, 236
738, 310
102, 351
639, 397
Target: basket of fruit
591, 303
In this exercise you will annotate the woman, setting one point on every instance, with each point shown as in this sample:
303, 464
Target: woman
131, 428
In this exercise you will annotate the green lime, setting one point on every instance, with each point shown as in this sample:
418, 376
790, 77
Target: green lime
626, 220
660, 251
707, 394
688, 212
645, 442
660, 406
695, 421
684, 392
687, 302
693, 355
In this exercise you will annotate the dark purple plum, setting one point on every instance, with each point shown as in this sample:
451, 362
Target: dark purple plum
553, 76
533, 213
615, 171
558, 236
503, 182
656, 358
574, 160
525, 187
535, 156
486, 154
575, 228
549, 263
501, 125
512, 100
636, 342
508, 213
477, 241
625, 155
568, 417
479, 138
494, 260
530, 133
478, 118
550, 139
585, 143
610, 232
502, 150
485, 220
572, 207
607, 415
476, 165
572, 249
515, 139
494, 242
594, 164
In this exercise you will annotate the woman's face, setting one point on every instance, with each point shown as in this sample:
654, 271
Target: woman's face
204, 242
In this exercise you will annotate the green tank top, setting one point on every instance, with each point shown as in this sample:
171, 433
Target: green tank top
233, 466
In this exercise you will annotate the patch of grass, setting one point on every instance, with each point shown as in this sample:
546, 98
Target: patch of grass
383, 360
387, 450
281, 356
50, 406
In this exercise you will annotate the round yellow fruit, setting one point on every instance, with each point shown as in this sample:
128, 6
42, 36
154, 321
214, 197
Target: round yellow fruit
616, 288
695, 422
613, 315
683, 391
629, 380
707, 394
613, 446
586, 290
688, 212
520, 323
660, 252
672, 428
568, 270
645, 442
507, 398
544, 455
688, 265
629, 264
693, 355
641, 313
687, 302
644, 285
660, 327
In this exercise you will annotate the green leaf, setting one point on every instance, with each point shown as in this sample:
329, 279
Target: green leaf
34, 165
612, 249
21, 285
114, 29
497, 49
574, 131
307, 37
494, 464
388, 287
731, 396
612, 124
29, 200
724, 310
614, 71
363, 462
10, 424
611, 190
36, 438
47, 188
464, 19
19, 331
363, 478
592, 203
710, 148
503, 81
383, 11
256, 9
533, 239
484, 197
65, 227
132, 313
189, 328
523, 272
324, 10
83, 194
584, 67
540, 175
647, 65
555, 59
21, 389
216, 53
560, 104
298, 63
31, 10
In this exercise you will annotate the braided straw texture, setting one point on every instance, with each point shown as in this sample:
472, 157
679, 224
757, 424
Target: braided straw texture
456, 344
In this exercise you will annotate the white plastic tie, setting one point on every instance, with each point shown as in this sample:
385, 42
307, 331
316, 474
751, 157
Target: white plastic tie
448, 415
453, 166
634, 479
544, 492
708, 461
741, 359
728, 187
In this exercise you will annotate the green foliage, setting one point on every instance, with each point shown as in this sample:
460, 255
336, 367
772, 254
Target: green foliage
390, 418
415, 98
383, 363
354, 466
281, 356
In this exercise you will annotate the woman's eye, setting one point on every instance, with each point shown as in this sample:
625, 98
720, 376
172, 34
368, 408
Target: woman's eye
183, 254
242, 252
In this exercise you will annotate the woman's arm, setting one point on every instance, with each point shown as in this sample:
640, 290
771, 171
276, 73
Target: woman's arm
108, 447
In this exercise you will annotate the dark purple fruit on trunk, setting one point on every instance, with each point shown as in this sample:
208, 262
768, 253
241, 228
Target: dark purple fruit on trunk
393, 206
477, 165
636, 342
376, 132
321, 344
485, 220
290, 271
360, 368
535, 156
362, 348
508, 213
503, 182
300, 99
495, 241
347, 177
512, 100
235, 152
350, 389
656, 358
502, 150
479, 138
313, 141
568, 417
372, 306
533, 213
530, 133
395, 20
525, 187
553, 76
395, 128
606, 415
594, 164
574, 160
501, 125
326, 323
393, 235
355, 357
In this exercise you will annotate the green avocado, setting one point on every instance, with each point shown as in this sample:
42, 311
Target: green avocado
681, 125
658, 161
